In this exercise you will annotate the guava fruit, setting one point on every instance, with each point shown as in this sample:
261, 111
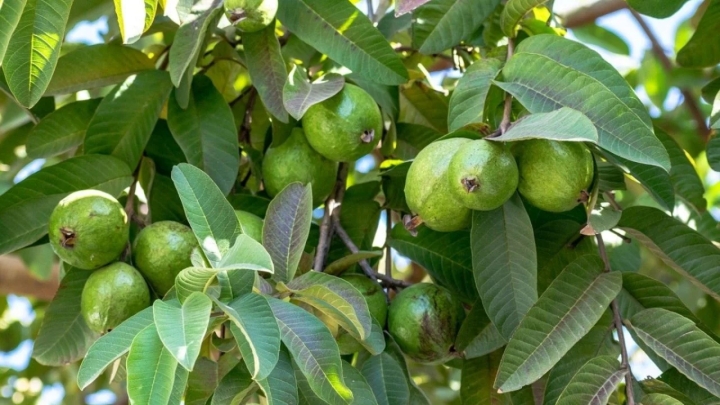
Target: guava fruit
250, 224
294, 160
345, 127
161, 251
251, 15
88, 229
427, 188
554, 176
483, 175
424, 320
111, 295
377, 304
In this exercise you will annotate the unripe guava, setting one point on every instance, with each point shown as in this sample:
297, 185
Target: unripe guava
250, 224
294, 160
427, 188
251, 15
88, 229
483, 175
161, 251
111, 295
554, 176
377, 304
424, 320
345, 127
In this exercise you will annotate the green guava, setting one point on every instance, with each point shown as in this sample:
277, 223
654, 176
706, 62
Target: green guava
424, 320
251, 15
377, 304
88, 229
483, 175
345, 127
161, 251
427, 188
250, 224
294, 160
554, 176
111, 295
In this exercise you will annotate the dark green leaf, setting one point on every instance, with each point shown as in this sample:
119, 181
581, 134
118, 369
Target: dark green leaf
659, 399
202, 381
688, 185
657, 8
713, 153
655, 180
600, 36
594, 383
467, 102
10, 12
422, 105
267, 69
62, 130
234, 387
150, 369
681, 383
299, 94
280, 386
703, 50
189, 38
386, 379
362, 392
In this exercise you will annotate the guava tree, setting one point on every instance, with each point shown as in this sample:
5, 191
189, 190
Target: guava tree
390, 202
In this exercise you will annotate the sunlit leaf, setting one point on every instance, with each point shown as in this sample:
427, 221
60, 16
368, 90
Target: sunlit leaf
134, 17
299, 94
564, 124
182, 327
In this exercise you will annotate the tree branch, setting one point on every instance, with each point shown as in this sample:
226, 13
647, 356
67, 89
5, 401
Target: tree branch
15, 278
507, 113
370, 11
589, 14
388, 249
332, 204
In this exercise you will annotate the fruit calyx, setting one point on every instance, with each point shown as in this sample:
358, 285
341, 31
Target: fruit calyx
68, 237
237, 15
470, 184
367, 136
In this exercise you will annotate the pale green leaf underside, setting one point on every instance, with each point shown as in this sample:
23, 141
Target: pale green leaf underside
193, 279
299, 94
182, 328
514, 11
467, 102
594, 383
362, 392
564, 125
247, 254
267, 70
134, 17
150, 369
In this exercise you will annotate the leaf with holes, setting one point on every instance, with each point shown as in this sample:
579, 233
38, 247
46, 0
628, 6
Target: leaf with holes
299, 94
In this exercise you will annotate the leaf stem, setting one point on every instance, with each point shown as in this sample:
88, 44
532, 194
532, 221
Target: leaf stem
507, 112
332, 205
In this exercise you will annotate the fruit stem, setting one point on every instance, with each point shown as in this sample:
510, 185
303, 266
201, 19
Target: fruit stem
332, 212
507, 113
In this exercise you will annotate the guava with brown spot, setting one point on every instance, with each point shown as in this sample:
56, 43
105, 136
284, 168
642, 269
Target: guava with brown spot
251, 15
483, 175
345, 127
161, 251
111, 295
88, 229
377, 304
424, 320
554, 176
250, 224
427, 188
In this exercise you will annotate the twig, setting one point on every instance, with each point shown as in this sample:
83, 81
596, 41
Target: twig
130, 203
388, 249
617, 320
587, 15
610, 197
326, 227
621, 236
370, 10
507, 113
383, 6
244, 133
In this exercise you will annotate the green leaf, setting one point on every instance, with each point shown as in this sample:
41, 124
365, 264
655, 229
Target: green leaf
585, 82
280, 386
189, 39
314, 349
655, 180
594, 383
680, 247
406, 6
34, 48
235, 283
64, 337
602, 219
657, 8
125, 118
564, 124
266, 66
210, 215
682, 344
682, 384
594, 34
343, 33
61, 130
112, 346
193, 279
505, 263
685, 179
236, 386
442, 24
467, 102
702, 50
476, 384
150, 369
299, 94
205, 131
446, 256
565, 313
659, 399
713, 153
10, 12
386, 379
655, 386
202, 382
247, 254
256, 332
514, 11
362, 392
422, 105
338, 266
182, 327
417, 397
286, 229
26, 207
134, 17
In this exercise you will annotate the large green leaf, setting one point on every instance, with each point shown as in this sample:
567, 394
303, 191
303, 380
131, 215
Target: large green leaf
266, 66
422, 105
417, 397
211, 216
10, 12
286, 229
299, 94
202, 381
342, 32
679, 382
34, 48
657, 8
685, 178
280, 386
64, 337
247, 254
564, 124
594, 383
386, 379
182, 327
234, 387
467, 102
112, 346
190, 37
659, 399
314, 350
586, 82
514, 11
362, 392
446, 256
682, 344
193, 279
682, 248
96, 66
655, 180
26, 207
61, 130
205, 131
594, 34
476, 384
504, 263
442, 24
150, 369
256, 332
134, 17
713, 152
565, 313
125, 118
235, 283
703, 50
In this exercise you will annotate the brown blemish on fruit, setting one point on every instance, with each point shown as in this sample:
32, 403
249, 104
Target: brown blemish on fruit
367, 136
68, 237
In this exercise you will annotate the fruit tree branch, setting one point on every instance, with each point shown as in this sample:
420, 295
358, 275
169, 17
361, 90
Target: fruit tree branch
388, 249
15, 278
507, 113
589, 14
370, 11
332, 205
